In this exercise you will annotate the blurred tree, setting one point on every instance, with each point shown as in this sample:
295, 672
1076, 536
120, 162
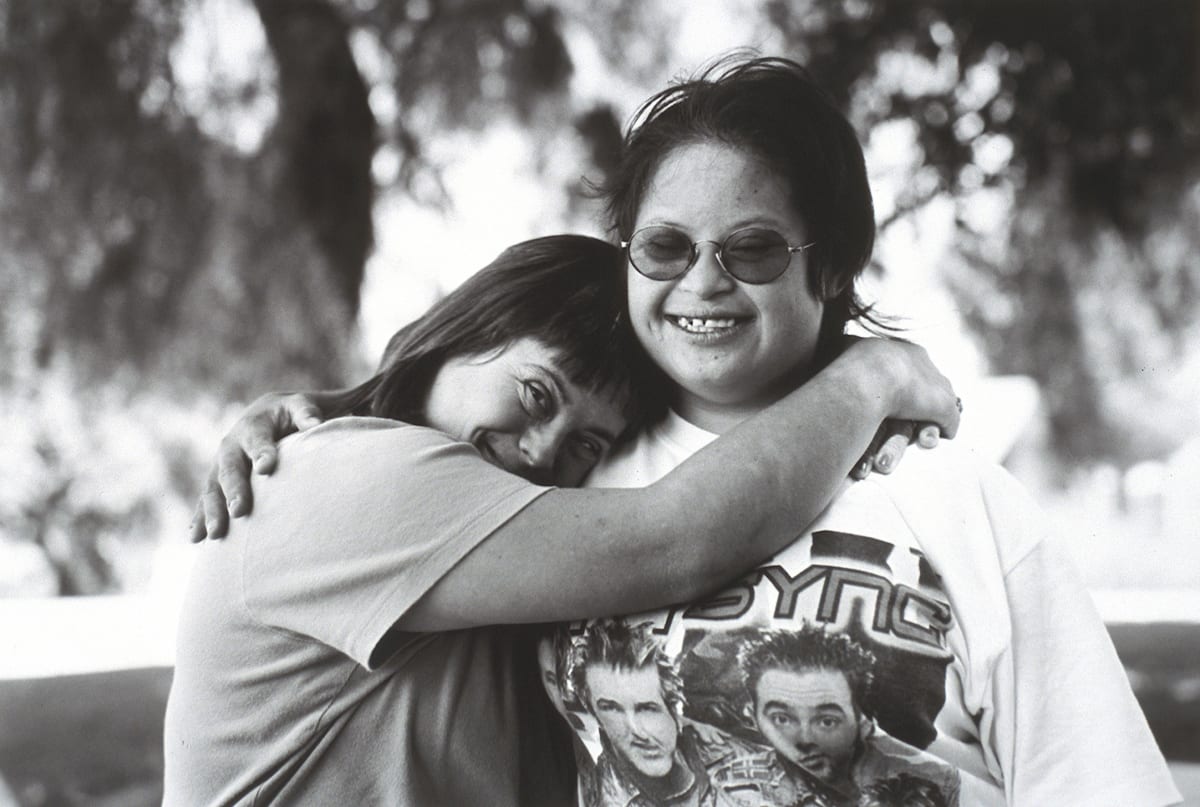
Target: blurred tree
139, 251
141, 255
134, 243
1086, 115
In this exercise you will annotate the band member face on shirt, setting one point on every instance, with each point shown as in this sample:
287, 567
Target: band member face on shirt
809, 718
634, 717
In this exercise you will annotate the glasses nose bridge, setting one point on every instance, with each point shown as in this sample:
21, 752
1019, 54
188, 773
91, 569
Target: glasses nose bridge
718, 250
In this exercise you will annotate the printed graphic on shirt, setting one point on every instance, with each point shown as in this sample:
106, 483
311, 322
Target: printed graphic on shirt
814, 680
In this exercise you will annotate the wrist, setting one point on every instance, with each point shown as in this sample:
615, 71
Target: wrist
866, 373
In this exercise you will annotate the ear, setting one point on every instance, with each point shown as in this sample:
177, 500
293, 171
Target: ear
747, 715
866, 728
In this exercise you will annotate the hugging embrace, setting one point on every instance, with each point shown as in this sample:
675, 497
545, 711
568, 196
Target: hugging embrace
671, 427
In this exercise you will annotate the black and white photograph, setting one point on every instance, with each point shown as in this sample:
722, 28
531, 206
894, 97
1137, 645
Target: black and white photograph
600, 403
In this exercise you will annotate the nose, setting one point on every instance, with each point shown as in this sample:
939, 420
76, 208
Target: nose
636, 729
707, 277
802, 737
539, 449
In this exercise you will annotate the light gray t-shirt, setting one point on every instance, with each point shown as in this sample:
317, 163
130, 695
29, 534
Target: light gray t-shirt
288, 686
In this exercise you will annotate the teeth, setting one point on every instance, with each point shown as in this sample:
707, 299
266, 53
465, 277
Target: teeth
697, 325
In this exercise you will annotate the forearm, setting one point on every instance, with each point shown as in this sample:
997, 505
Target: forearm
748, 494
582, 553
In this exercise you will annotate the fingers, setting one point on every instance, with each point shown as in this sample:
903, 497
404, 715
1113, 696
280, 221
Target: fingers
947, 425
892, 450
212, 501
268, 420
232, 482
265, 457
862, 469
304, 413
929, 434
196, 531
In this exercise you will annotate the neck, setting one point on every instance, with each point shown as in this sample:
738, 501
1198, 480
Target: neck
712, 417
719, 417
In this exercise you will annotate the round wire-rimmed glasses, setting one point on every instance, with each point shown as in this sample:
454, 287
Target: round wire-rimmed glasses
754, 255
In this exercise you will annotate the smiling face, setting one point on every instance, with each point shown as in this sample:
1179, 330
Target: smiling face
731, 347
634, 717
524, 414
809, 719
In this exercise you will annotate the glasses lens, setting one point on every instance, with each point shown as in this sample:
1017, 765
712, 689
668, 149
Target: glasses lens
660, 253
756, 256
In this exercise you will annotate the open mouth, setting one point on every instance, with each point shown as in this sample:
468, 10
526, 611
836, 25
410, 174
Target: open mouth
706, 325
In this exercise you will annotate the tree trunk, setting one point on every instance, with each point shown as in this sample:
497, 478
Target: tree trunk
325, 133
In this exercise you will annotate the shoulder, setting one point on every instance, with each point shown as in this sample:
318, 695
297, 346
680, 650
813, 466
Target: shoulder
952, 496
362, 431
364, 447
375, 471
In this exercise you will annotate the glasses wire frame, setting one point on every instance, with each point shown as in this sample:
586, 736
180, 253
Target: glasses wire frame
719, 254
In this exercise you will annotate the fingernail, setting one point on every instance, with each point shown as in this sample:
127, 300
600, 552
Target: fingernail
210, 526
234, 504
884, 462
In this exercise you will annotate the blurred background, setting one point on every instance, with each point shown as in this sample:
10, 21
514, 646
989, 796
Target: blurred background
202, 200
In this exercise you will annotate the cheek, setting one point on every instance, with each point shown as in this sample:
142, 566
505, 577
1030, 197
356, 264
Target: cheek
793, 317
664, 727
644, 298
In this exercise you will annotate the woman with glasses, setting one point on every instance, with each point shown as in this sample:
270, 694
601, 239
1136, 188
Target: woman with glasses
925, 631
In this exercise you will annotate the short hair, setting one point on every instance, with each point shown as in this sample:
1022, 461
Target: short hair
805, 649
565, 290
774, 109
629, 648
903, 790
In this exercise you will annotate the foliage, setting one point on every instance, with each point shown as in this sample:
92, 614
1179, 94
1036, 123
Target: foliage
150, 264
1084, 115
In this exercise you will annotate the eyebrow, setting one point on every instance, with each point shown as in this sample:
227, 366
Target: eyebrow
765, 220
820, 707
560, 388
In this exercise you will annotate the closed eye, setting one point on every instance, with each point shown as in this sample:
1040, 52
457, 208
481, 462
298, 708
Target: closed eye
588, 448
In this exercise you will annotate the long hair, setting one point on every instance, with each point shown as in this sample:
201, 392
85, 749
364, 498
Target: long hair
564, 290
772, 108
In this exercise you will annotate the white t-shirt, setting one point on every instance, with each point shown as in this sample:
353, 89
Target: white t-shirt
991, 666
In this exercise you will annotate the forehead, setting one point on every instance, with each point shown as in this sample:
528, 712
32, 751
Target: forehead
625, 686
806, 689
714, 183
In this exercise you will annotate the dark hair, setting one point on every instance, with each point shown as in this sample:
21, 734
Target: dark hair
809, 648
617, 644
773, 108
903, 790
564, 290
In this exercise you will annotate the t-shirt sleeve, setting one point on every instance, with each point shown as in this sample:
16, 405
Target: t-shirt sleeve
362, 517
1066, 725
